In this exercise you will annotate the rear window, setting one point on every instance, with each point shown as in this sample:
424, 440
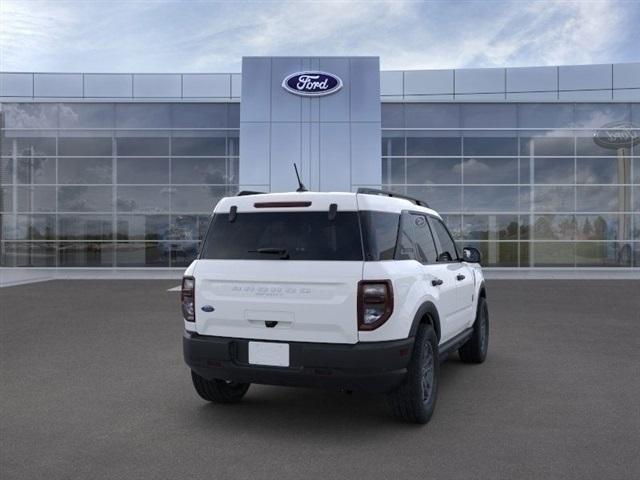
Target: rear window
284, 235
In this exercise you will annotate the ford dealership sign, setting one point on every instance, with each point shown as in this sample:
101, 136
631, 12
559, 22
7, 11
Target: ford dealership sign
312, 84
617, 135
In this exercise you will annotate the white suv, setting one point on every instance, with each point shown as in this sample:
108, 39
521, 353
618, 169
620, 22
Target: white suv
353, 291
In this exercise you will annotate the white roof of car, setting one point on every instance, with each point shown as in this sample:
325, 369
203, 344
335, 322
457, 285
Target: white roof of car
318, 201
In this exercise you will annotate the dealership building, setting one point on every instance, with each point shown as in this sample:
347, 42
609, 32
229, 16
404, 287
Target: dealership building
539, 168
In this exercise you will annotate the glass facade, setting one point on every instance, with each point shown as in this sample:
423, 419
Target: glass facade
527, 184
112, 184
129, 184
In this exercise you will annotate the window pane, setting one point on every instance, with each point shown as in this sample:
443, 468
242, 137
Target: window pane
84, 199
599, 114
139, 254
392, 115
444, 242
143, 227
199, 115
490, 227
392, 144
143, 115
544, 115
432, 146
490, 170
142, 146
603, 254
196, 199
554, 199
393, 171
188, 227
36, 199
379, 230
441, 199
6, 199
558, 254
585, 145
85, 170
198, 146
489, 115
85, 146
554, 227
554, 170
454, 224
72, 254
86, 115
143, 199
490, 199
6, 171
603, 199
604, 170
36, 170
143, 170
546, 146
28, 146
30, 115
85, 227
29, 255
434, 170
31, 227
490, 146
636, 170
199, 170
497, 254
604, 227
183, 253
424, 115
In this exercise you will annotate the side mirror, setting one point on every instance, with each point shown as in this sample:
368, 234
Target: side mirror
471, 255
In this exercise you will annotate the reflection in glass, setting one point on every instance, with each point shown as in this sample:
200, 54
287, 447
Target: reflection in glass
142, 146
393, 115
188, 227
433, 146
554, 170
28, 146
490, 170
434, 170
604, 170
603, 198
442, 199
491, 199
143, 170
143, 199
6, 198
596, 115
85, 146
489, 115
142, 115
496, 254
192, 146
6, 171
490, 227
196, 199
425, 115
554, 227
36, 199
85, 170
143, 227
84, 199
183, 253
199, 170
490, 146
86, 115
557, 254
554, 199
147, 254
30, 115
603, 227
540, 145
36, 170
85, 227
393, 171
392, 145
603, 254
85, 254
199, 115
454, 224
33, 227
28, 254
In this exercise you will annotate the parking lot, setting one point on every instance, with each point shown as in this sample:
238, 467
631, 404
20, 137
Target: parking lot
93, 386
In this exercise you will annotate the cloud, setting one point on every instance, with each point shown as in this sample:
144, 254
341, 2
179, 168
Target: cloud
165, 36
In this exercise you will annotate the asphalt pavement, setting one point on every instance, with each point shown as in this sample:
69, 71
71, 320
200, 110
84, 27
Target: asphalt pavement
93, 386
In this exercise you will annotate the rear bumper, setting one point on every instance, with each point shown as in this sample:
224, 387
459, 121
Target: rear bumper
370, 367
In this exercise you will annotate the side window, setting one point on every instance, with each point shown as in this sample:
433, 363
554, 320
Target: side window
415, 241
446, 246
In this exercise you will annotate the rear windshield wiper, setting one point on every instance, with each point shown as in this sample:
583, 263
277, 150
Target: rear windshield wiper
284, 254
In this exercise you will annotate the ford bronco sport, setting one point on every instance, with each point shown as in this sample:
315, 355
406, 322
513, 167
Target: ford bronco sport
353, 291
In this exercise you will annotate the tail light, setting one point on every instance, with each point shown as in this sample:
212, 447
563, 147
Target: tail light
187, 299
375, 303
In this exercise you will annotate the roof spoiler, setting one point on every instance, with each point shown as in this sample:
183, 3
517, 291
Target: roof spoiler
384, 193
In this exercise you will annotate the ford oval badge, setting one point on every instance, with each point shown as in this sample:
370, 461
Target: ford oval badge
312, 83
207, 308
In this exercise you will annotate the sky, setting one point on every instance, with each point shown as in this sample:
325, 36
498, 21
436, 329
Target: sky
212, 36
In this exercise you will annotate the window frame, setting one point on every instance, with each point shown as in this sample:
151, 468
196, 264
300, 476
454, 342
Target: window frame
437, 240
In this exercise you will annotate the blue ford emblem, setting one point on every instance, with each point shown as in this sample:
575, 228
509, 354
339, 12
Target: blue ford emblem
312, 84
207, 308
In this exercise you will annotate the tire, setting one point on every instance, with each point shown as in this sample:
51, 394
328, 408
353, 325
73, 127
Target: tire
219, 391
475, 349
415, 400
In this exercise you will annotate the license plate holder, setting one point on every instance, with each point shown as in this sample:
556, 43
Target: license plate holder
270, 354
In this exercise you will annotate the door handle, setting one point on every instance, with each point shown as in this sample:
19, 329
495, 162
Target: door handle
460, 277
436, 282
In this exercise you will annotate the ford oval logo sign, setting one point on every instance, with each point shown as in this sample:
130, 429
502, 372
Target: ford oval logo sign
617, 135
312, 84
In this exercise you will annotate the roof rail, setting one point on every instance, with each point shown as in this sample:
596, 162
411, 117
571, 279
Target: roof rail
375, 191
243, 193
